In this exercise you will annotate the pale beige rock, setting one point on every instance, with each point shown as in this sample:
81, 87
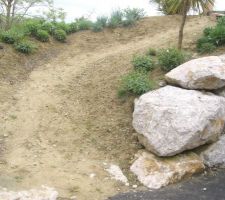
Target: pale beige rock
45, 193
171, 120
202, 73
155, 172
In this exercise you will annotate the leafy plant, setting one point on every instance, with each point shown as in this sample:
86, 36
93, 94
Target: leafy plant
170, 58
63, 26
132, 15
60, 35
83, 24
49, 27
10, 37
217, 35
73, 27
206, 48
32, 26
221, 21
143, 63
135, 83
25, 47
102, 20
207, 31
116, 19
42, 35
97, 27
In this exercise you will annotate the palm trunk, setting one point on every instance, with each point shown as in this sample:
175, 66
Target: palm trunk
184, 17
8, 14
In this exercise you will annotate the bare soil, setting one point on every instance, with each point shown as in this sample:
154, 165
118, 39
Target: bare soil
60, 117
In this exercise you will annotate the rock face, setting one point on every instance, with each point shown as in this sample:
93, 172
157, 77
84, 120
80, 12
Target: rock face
43, 194
171, 120
155, 172
214, 156
203, 73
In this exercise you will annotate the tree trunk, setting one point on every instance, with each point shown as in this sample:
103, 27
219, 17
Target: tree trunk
8, 14
184, 17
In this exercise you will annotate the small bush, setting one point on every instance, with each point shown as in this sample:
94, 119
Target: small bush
32, 27
132, 15
116, 19
63, 26
97, 27
207, 48
73, 27
151, 52
25, 47
217, 35
49, 27
135, 83
83, 24
143, 63
102, 20
207, 31
60, 35
42, 35
170, 58
221, 21
10, 37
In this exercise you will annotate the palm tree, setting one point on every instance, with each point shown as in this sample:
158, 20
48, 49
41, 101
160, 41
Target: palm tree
183, 7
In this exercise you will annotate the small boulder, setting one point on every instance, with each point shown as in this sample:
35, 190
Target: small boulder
214, 156
203, 73
171, 120
154, 172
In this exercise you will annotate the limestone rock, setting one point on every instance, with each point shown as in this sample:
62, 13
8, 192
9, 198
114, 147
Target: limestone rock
44, 193
155, 172
202, 73
171, 120
214, 156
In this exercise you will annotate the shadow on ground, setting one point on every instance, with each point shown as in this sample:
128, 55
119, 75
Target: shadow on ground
205, 187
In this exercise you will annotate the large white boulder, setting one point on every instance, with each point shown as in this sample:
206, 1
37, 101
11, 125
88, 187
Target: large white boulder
155, 172
202, 73
214, 156
171, 120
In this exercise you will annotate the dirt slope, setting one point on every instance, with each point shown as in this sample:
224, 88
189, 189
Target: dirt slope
65, 122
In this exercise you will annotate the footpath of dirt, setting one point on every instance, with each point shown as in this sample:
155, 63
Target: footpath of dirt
63, 122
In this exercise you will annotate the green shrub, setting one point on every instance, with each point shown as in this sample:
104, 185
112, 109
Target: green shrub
73, 27
42, 35
60, 35
206, 48
151, 52
49, 27
135, 83
25, 47
116, 19
10, 37
32, 27
170, 58
132, 15
207, 31
102, 20
97, 27
217, 35
63, 26
83, 24
143, 63
221, 21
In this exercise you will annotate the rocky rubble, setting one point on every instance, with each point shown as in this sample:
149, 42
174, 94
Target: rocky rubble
172, 120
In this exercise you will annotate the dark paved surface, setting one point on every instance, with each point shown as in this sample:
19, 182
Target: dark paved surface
207, 187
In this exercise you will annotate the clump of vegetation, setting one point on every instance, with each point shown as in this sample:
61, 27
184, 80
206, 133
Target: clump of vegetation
60, 35
63, 26
131, 16
32, 26
102, 20
49, 27
116, 19
143, 63
135, 83
151, 52
83, 24
10, 37
42, 36
97, 27
170, 58
73, 27
25, 47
